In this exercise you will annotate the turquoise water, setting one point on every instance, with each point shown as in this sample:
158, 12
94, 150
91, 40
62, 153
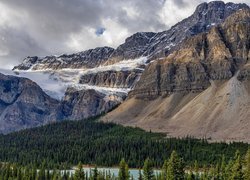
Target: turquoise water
114, 171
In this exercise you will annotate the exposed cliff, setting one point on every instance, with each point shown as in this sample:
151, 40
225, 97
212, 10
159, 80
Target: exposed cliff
83, 104
202, 89
113, 79
216, 55
23, 104
82, 60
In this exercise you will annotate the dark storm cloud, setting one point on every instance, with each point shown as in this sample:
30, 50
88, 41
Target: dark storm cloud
42, 27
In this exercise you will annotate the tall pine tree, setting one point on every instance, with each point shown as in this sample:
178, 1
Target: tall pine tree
148, 172
237, 173
175, 167
123, 170
79, 173
247, 166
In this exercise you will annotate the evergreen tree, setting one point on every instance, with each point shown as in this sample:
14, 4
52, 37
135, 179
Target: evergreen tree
196, 169
148, 172
237, 173
217, 174
19, 174
165, 170
41, 174
123, 170
223, 168
140, 175
79, 173
94, 173
175, 167
191, 176
14, 170
228, 170
247, 166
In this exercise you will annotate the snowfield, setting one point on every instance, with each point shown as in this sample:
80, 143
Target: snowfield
56, 82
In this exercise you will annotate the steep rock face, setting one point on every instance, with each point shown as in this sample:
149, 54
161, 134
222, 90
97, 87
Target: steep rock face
200, 90
161, 44
113, 79
134, 47
83, 104
86, 59
23, 104
216, 55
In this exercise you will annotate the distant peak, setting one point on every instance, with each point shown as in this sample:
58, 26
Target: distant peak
219, 4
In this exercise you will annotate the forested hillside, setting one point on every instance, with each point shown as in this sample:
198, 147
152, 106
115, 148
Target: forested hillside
64, 144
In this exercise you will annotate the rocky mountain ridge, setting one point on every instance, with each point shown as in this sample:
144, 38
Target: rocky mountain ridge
216, 55
141, 44
83, 60
201, 89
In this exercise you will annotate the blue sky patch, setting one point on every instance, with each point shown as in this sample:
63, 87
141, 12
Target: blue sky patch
100, 31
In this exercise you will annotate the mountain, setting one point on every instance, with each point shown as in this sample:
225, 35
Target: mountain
23, 104
157, 45
161, 73
121, 67
202, 89
148, 44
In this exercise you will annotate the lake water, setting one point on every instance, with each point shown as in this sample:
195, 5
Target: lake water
114, 171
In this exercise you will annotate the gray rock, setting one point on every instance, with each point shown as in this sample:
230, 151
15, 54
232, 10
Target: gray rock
83, 104
216, 55
23, 104
86, 59
112, 79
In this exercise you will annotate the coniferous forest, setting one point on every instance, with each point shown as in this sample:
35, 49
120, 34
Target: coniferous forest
65, 144
238, 168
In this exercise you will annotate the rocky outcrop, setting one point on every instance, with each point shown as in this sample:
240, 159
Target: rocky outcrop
216, 55
83, 104
23, 104
86, 59
112, 79
200, 90
134, 47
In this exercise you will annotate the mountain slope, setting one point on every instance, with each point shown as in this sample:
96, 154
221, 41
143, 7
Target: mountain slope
200, 90
23, 104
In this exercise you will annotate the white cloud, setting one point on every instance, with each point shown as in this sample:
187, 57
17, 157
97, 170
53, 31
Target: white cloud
171, 13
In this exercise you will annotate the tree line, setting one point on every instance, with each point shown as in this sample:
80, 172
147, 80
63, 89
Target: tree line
62, 145
238, 168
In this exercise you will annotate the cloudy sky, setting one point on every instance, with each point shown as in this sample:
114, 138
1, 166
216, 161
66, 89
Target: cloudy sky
45, 27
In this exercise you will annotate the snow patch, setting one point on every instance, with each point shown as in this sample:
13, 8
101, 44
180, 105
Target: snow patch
56, 82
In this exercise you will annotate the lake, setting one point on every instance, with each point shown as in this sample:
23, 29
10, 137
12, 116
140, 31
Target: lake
113, 171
